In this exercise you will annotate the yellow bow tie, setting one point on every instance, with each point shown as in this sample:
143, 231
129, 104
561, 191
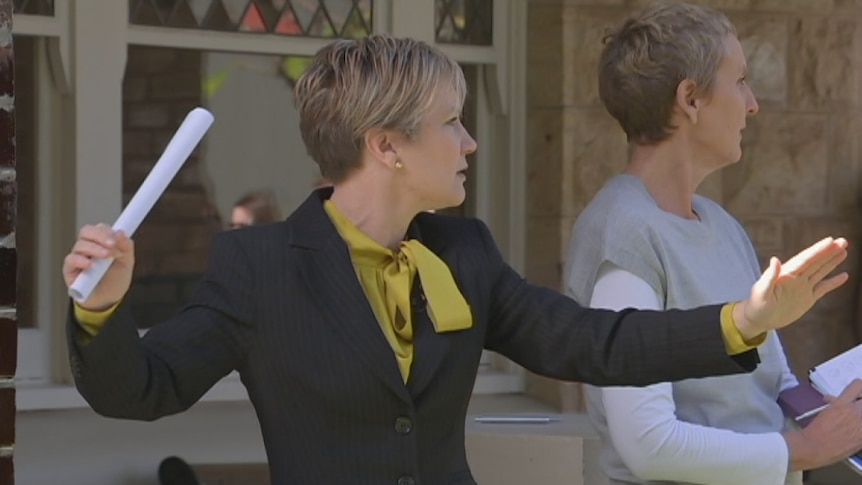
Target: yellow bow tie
387, 277
446, 305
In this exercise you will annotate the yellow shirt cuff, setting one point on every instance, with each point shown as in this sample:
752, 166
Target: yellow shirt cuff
93, 321
733, 340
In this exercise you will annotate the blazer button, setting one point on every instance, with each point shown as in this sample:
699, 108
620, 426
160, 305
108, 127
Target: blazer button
403, 425
406, 480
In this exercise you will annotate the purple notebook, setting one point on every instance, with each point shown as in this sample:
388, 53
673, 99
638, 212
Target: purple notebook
799, 399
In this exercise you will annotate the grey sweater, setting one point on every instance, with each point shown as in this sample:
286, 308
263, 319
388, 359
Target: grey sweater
688, 263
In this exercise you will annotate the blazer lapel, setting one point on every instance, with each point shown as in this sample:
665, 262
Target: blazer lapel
430, 348
333, 284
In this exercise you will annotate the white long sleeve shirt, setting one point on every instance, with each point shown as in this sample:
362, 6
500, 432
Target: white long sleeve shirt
649, 438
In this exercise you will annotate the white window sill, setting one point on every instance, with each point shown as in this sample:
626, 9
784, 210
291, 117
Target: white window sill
497, 382
58, 396
42, 397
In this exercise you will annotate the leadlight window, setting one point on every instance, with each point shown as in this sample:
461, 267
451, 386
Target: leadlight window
306, 18
33, 7
464, 21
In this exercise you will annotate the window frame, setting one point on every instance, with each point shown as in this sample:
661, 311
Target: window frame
35, 342
92, 106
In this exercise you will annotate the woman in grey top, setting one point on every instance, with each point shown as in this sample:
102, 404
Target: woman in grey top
673, 75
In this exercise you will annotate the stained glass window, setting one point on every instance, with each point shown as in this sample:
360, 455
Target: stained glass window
33, 7
464, 21
311, 18
291, 67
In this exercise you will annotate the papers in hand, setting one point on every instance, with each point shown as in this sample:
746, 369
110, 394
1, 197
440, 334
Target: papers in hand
805, 401
832, 376
190, 132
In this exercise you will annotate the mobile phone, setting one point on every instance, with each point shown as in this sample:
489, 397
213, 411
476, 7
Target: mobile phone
855, 462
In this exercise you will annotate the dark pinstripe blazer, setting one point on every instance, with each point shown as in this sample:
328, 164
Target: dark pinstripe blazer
281, 304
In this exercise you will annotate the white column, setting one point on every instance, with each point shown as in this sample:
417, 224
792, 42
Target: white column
413, 18
381, 17
98, 51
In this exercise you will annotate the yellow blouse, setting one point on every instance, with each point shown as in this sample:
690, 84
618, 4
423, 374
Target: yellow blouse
386, 276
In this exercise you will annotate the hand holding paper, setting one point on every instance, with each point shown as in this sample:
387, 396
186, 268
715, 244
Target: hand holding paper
833, 435
97, 246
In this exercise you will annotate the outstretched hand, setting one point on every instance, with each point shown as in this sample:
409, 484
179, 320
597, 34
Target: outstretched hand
786, 291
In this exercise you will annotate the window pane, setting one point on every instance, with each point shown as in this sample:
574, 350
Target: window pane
464, 21
254, 144
310, 18
33, 7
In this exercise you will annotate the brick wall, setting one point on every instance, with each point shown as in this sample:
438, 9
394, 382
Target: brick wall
160, 87
800, 176
8, 266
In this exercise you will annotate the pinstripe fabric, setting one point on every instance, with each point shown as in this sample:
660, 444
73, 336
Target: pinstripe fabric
281, 304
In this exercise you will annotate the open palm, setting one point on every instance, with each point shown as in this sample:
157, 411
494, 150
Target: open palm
786, 291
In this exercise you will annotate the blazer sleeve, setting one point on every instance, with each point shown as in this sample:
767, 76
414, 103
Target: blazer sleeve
552, 335
165, 372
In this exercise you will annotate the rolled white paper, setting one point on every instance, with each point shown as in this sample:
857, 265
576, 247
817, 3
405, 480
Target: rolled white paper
188, 135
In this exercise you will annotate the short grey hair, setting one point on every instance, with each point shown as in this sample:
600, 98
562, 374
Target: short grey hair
646, 57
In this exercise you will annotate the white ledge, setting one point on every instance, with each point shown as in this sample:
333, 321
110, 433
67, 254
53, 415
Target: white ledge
41, 397
58, 396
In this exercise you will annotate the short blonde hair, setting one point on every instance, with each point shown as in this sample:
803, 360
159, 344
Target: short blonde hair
649, 54
352, 86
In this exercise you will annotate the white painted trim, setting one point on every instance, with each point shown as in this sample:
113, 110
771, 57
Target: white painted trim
230, 389
56, 29
470, 54
413, 18
41, 25
33, 356
47, 397
497, 382
34, 343
405, 20
100, 61
381, 17
224, 41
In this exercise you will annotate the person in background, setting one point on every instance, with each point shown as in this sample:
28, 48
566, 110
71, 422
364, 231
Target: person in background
674, 77
258, 207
